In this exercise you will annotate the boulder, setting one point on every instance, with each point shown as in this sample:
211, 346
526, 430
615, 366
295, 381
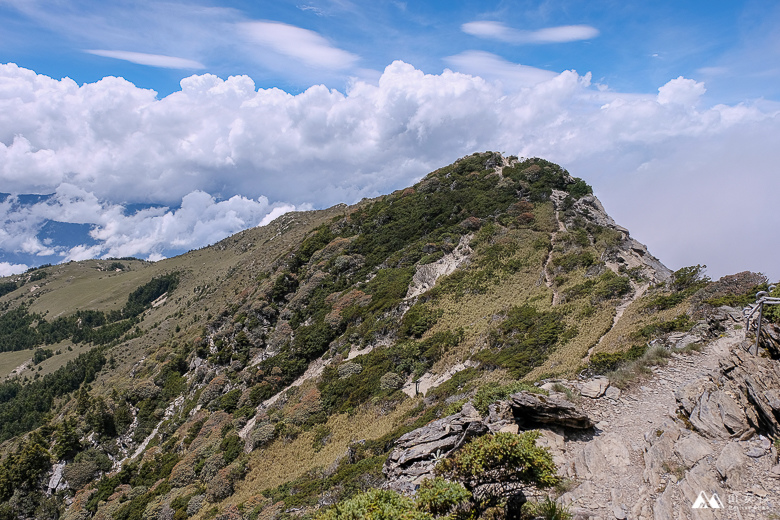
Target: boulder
595, 388
713, 411
692, 449
417, 452
732, 464
754, 383
718, 415
612, 392
535, 410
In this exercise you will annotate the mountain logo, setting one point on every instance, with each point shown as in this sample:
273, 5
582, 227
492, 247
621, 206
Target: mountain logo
703, 502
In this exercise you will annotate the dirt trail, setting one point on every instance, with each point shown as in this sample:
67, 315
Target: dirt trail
638, 291
548, 278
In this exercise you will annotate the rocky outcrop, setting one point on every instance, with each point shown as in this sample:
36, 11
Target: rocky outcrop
426, 275
417, 452
755, 383
628, 253
536, 410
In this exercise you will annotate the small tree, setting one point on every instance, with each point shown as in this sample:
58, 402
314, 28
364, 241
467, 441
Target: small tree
494, 468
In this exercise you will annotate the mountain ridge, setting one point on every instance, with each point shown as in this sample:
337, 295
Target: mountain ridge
256, 367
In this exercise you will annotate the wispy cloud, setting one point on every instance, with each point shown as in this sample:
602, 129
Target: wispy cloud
300, 44
153, 60
493, 67
501, 32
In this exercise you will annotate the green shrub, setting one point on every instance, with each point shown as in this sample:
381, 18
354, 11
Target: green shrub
391, 381
231, 447
376, 504
571, 261
681, 322
417, 320
548, 509
523, 340
500, 459
440, 497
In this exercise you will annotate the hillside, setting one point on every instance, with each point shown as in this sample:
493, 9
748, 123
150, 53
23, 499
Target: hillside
272, 374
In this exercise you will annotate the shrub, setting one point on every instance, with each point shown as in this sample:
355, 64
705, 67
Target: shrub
231, 447
220, 487
391, 381
194, 505
496, 464
439, 497
262, 435
572, 261
604, 362
79, 474
523, 340
350, 368
376, 504
548, 509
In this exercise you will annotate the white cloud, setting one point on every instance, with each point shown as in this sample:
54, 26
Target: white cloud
492, 67
681, 91
7, 269
501, 32
153, 60
199, 220
300, 44
219, 150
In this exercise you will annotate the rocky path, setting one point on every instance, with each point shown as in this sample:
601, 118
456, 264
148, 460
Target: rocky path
643, 463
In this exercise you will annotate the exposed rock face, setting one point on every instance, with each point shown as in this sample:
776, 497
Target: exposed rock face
417, 452
426, 275
629, 253
755, 385
535, 410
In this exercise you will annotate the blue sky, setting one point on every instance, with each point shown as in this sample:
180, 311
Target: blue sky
182, 122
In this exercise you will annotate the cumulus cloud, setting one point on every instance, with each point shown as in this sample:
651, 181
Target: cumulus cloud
300, 44
217, 152
7, 269
501, 32
153, 60
199, 220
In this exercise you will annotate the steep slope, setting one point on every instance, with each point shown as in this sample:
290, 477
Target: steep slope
273, 371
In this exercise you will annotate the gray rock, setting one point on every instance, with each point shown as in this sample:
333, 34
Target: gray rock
718, 415
619, 513
732, 464
417, 452
692, 449
533, 410
612, 393
661, 452
755, 452
595, 388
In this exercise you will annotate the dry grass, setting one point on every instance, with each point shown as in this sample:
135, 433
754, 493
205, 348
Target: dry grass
283, 461
621, 337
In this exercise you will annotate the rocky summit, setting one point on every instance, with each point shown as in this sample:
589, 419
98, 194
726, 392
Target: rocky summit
487, 343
